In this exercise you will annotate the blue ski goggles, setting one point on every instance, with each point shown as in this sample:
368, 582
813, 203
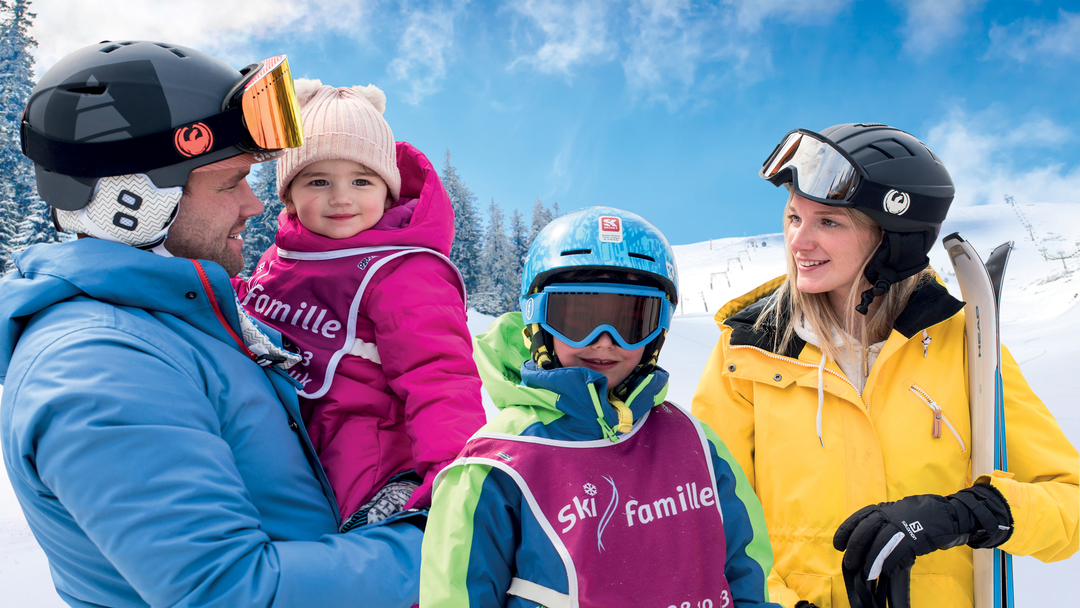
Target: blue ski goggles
577, 313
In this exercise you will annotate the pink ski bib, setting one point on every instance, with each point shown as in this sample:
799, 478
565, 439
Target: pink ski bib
614, 510
321, 313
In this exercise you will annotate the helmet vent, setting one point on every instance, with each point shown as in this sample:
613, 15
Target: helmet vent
891, 148
178, 53
641, 256
115, 45
95, 90
576, 252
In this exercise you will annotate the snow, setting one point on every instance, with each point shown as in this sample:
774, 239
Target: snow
1040, 325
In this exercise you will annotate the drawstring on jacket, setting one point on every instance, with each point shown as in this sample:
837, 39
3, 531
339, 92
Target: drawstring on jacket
609, 434
820, 396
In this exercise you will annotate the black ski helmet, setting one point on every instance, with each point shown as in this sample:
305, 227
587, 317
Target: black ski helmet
117, 108
902, 186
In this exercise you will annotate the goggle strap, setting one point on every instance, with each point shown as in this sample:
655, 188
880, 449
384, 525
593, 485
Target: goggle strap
127, 156
924, 208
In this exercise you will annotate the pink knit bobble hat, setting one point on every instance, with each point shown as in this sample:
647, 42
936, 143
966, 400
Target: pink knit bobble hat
342, 123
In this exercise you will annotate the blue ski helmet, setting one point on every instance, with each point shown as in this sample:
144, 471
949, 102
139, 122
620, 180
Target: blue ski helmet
600, 238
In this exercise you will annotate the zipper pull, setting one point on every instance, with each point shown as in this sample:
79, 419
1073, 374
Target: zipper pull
936, 432
626, 417
925, 344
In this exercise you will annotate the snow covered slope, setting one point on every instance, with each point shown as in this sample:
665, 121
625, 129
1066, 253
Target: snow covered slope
1040, 325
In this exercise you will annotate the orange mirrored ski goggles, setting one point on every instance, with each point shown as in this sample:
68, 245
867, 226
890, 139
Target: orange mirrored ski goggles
267, 100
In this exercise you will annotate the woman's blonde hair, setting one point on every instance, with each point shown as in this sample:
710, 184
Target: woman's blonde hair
784, 310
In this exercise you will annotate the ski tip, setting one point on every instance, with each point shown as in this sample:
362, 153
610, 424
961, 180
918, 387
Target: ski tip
955, 236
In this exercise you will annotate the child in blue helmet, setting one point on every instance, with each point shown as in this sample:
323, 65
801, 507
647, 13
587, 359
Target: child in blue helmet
588, 479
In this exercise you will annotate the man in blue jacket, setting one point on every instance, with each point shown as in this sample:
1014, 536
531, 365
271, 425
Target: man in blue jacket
149, 428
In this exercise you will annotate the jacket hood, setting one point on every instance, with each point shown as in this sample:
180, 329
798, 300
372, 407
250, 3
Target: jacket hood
511, 378
431, 225
47, 274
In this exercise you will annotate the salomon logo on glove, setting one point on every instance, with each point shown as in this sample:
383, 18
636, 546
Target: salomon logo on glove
880, 542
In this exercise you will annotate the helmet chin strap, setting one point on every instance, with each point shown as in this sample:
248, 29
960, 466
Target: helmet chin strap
900, 255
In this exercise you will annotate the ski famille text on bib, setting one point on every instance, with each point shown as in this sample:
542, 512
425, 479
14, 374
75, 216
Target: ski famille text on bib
610, 509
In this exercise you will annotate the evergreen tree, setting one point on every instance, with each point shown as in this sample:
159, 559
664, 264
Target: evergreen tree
261, 229
541, 216
519, 247
465, 253
19, 194
9, 222
496, 288
35, 227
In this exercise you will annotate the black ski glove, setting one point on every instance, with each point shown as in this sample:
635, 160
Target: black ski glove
882, 541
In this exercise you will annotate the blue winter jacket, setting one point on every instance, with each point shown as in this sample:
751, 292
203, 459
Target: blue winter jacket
156, 463
482, 533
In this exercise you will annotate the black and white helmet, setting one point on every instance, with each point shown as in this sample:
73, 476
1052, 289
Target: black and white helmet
883, 172
114, 130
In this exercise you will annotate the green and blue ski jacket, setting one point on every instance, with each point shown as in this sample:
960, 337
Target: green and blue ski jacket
481, 533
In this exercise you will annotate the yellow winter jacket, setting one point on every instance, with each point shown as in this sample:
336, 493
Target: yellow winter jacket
879, 447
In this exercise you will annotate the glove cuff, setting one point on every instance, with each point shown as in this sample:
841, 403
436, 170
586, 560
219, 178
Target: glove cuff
992, 522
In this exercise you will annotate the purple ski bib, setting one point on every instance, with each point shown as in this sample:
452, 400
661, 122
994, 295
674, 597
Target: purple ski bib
315, 301
612, 509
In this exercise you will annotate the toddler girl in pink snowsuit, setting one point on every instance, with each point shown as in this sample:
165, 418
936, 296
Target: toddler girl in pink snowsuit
358, 280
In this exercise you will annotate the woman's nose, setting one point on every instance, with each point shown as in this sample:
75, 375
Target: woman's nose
798, 240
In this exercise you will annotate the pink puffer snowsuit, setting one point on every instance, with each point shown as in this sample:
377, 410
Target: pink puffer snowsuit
417, 406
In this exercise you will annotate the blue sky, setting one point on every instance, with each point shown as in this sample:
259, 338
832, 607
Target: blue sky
663, 108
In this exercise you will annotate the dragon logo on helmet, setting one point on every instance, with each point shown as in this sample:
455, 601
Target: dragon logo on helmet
896, 202
193, 140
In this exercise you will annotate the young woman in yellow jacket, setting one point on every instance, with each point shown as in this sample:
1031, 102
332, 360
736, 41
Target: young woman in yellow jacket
841, 389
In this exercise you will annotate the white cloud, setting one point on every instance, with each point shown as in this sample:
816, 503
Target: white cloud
749, 14
931, 23
671, 39
665, 50
221, 28
425, 44
1028, 39
573, 32
979, 158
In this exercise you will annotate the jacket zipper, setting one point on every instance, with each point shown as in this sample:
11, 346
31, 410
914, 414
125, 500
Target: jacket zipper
798, 362
217, 311
939, 416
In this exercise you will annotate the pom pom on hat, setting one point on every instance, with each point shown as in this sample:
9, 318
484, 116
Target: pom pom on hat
306, 89
374, 95
342, 123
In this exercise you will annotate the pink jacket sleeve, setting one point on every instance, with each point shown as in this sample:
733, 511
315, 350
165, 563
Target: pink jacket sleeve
426, 353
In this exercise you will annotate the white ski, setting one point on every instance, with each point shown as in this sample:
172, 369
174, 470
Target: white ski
980, 287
